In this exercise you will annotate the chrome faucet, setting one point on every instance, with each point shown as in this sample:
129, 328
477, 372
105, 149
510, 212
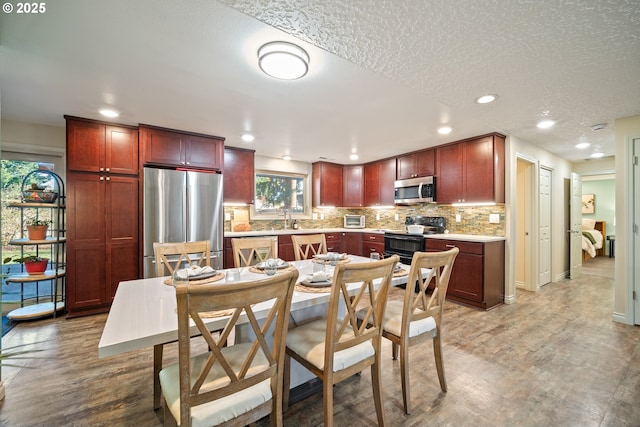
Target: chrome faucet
287, 221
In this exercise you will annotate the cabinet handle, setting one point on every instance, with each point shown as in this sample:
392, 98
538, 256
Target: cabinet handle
108, 170
108, 178
102, 178
101, 169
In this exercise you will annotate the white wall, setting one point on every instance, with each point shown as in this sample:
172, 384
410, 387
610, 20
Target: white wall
626, 129
32, 134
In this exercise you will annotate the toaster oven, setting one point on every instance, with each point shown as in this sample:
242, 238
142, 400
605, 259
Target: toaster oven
354, 221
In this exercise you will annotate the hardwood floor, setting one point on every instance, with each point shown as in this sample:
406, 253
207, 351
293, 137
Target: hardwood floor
555, 358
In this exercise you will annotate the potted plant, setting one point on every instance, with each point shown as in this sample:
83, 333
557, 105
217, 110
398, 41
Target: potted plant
37, 229
32, 263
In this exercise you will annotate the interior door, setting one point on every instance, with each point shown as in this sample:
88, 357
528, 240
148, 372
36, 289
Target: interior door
635, 256
545, 227
575, 255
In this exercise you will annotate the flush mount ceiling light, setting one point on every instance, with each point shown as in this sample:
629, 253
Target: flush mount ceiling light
582, 145
247, 137
545, 124
283, 60
353, 156
286, 157
485, 99
597, 155
444, 130
108, 112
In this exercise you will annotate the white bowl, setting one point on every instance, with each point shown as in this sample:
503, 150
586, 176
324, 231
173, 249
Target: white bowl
415, 229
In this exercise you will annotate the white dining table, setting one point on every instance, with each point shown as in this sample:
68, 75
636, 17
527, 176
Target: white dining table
144, 315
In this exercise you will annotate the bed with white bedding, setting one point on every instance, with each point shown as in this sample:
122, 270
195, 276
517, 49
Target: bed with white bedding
593, 234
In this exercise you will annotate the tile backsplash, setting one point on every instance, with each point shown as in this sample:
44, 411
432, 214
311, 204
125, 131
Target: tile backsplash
473, 220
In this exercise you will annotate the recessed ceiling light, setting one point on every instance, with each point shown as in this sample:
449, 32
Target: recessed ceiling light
582, 145
444, 130
286, 157
283, 60
485, 99
108, 112
353, 156
545, 124
248, 137
597, 155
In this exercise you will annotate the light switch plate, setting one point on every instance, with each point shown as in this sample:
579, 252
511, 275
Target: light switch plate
494, 218
227, 216
314, 215
458, 218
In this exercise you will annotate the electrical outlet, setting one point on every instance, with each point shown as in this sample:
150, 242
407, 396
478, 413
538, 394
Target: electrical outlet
321, 216
397, 217
494, 218
227, 216
377, 217
314, 216
458, 217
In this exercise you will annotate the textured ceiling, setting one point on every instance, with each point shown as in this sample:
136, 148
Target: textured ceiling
383, 74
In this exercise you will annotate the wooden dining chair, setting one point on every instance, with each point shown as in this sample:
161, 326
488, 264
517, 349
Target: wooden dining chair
172, 255
305, 246
337, 347
419, 316
253, 250
230, 385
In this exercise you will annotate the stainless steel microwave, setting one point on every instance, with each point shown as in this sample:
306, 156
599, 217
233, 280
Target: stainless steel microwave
415, 190
354, 221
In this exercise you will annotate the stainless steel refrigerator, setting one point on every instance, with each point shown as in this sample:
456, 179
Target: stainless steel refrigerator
182, 206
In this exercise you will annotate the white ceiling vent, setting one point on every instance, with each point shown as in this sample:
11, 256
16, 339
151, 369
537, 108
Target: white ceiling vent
598, 127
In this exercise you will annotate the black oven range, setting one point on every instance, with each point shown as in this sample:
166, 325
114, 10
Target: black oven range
405, 244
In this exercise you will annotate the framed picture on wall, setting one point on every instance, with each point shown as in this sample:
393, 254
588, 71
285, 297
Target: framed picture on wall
588, 203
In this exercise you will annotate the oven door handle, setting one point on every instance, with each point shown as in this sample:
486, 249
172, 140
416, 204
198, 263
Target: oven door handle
409, 239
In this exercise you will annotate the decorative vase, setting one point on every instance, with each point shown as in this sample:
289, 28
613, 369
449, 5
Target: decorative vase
37, 232
36, 267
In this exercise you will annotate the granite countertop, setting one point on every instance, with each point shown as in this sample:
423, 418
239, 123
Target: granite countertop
277, 232
448, 236
466, 237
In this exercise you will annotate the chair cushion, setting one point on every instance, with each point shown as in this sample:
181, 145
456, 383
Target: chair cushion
308, 340
392, 321
221, 410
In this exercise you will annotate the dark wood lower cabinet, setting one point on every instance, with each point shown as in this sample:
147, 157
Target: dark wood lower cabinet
334, 242
477, 277
352, 243
372, 242
102, 243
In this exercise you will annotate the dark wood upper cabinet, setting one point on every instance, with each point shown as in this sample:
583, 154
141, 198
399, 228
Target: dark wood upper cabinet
471, 171
379, 180
166, 147
98, 147
327, 184
353, 177
239, 175
417, 164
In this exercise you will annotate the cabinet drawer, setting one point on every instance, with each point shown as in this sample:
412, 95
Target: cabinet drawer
333, 237
368, 247
465, 247
373, 237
